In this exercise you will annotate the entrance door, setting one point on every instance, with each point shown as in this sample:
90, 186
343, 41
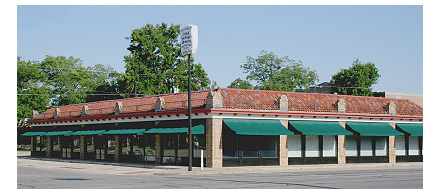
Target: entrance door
66, 146
100, 147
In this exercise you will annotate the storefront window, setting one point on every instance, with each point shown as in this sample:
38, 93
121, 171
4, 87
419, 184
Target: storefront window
169, 143
366, 146
312, 146
268, 146
329, 146
200, 144
249, 145
294, 144
350, 145
43, 143
76, 144
56, 146
400, 145
90, 143
413, 145
125, 144
150, 147
230, 146
38, 143
381, 146
137, 142
111, 144
182, 145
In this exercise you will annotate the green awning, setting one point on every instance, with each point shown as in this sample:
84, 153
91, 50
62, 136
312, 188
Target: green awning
319, 128
257, 127
196, 130
412, 129
98, 132
374, 129
126, 132
56, 133
33, 134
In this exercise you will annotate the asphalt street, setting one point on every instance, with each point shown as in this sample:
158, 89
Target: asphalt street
41, 174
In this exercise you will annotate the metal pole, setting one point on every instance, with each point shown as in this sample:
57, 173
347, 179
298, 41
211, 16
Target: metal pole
189, 116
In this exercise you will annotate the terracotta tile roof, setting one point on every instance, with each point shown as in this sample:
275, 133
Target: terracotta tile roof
242, 99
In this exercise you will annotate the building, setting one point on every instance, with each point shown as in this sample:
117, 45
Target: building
235, 127
323, 88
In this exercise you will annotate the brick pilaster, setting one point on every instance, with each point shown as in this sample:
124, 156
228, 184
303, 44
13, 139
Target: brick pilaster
214, 146
117, 148
341, 146
82, 147
284, 158
392, 147
48, 146
158, 152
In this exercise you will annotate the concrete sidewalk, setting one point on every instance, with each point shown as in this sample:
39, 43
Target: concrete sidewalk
183, 170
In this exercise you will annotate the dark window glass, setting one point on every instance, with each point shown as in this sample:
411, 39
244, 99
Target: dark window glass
150, 145
137, 142
249, 145
268, 145
90, 144
169, 142
56, 144
125, 144
229, 142
111, 145
76, 144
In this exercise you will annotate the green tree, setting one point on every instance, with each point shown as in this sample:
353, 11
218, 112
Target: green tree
240, 84
283, 74
155, 63
31, 85
356, 80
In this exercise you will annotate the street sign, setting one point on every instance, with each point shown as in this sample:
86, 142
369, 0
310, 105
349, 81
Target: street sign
189, 35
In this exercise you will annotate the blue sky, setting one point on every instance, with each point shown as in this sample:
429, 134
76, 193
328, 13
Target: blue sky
324, 38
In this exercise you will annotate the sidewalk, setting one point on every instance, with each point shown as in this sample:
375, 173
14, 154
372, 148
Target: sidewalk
183, 170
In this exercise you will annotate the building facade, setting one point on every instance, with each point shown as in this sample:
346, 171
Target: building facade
234, 127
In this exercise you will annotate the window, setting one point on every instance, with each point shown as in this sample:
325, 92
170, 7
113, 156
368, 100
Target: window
150, 145
125, 145
230, 145
111, 145
183, 145
366, 146
168, 146
350, 145
137, 141
90, 144
400, 146
413, 145
381, 146
56, 144
249, 145
329, 146
76, 144
312, 146
200, 142
294, 145
268, 146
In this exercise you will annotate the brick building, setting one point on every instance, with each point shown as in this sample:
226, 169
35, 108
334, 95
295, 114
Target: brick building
235, 127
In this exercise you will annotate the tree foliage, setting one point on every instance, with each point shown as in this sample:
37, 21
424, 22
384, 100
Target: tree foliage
58, 81
282, 74
155, 63
356, 80
240, 84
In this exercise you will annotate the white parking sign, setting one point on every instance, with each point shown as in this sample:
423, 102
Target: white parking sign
189, 35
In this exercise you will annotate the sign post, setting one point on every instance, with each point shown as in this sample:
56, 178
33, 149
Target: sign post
189, 35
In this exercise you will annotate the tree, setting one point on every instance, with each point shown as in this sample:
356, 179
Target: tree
58, 81
356, 80
240, 84
155, 63
30, 83
282, 74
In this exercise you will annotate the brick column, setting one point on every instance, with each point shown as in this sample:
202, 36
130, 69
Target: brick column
392, 149
158, 152
284, 158
117, 148
82, 147
33, 145
392, 140
214, 146
48, 146
341, 146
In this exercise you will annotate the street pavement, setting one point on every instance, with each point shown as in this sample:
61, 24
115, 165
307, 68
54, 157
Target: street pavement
42, 173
